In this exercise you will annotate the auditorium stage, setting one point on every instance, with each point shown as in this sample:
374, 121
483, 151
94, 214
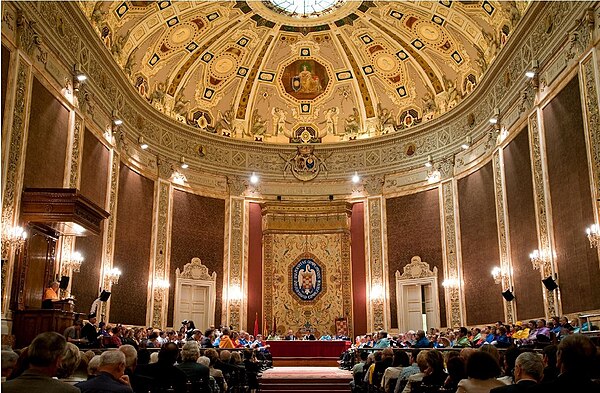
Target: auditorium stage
307, 353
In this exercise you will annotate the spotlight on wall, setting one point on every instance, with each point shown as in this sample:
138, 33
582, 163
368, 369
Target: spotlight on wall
143, 144
355, 178
117, 121
450, 283
254, 178
496, 117
78, 77
468, 142
533, 74
429, 162
183, 164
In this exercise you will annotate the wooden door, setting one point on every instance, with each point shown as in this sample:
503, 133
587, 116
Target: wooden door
193, 304
412, 309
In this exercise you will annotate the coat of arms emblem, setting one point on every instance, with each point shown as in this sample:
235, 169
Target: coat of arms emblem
307, 278
304, 165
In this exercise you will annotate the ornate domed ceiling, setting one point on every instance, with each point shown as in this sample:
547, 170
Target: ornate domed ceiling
289, 71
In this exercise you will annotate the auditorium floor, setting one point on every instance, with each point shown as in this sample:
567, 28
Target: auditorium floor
305, 380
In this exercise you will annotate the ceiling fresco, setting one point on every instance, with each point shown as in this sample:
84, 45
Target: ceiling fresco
281, 72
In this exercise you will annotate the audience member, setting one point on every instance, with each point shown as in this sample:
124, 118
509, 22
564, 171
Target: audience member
111, 375
9, 361
44, 356
482, 370
456, 372
69, 363
528, 372
197, 373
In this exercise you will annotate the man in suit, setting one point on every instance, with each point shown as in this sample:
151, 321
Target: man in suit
290, 336
529, 370
111, 375
90, 332
44, 355
197, 373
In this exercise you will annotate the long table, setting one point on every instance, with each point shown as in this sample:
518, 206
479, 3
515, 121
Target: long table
303, 352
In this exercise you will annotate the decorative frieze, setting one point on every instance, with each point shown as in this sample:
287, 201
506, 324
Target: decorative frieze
375, 266
234, 310
111, 227
592, 117
76, 152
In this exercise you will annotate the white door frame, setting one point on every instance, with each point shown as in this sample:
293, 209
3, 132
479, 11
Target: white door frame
417, 272
196, 274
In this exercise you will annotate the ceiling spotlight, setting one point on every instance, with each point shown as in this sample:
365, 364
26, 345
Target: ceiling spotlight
494, 119
143, 144
467, 144
532, 71
254, 178
184, 164
355, 178
118, 122
429, 162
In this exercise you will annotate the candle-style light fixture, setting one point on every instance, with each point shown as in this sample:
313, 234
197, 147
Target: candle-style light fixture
540, 258
74, 262
112, 276
593, 235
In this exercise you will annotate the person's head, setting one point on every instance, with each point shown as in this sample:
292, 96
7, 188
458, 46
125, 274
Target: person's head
112, 362
236, 358
9, 361
168, 353
212, 355
387, 353
435, 361
55, 285
45, 352
414, 354
226, 331
502, 330
549, 355
92, 319
492, 350
363, 355
576, 353
225, 356
131, 356
382, 334
481, 365
190, 351
463, 332
422, 361
93, 365
420, 334
153, 358
563, 321
466, 353
456, 368
541, 323
510, 357
69, 362
203, 360
400, 359
529, 366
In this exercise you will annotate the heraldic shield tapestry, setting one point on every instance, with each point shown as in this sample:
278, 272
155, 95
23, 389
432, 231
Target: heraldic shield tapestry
307, 280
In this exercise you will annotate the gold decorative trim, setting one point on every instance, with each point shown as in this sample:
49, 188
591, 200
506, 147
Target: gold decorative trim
162, 241
592, 116
375, 262
109, 234
195, 270
454, 309
236, 261
76, 151
417, 268
501, 218
542, 217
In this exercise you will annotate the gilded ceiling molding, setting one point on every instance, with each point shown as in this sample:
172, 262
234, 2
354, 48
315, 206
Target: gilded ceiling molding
503, 233
11, 198
592, 118
542, 209
161, 241
108, 241
251, 79
452, 256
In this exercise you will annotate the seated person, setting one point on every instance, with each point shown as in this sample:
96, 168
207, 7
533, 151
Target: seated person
309, 336
73, 333
290, 335
50, 295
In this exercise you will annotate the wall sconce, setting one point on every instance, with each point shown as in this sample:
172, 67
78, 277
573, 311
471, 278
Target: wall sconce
160, 283
468, 142
112, 276
593, 235
540, 259
495, 119
434, 177
74, 262
377, 295
183, 164
254, 178
13, 237
235, 294
78, 77
142, 143
533, 74
355, 178
498, 274
178, 178
450, 283
117, 121
429, 162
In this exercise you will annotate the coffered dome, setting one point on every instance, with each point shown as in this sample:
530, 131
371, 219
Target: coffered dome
284, 71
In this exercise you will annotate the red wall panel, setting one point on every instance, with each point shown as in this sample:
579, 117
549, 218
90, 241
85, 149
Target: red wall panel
522, 227
359, 276
46, 141
414, 228
572, 205
133, 239
479, 244
255, 270
198, 230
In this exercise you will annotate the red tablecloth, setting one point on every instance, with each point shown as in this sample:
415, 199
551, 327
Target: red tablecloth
305, 349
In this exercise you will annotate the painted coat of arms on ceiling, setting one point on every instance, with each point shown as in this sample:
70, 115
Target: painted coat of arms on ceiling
307, 277
305, 79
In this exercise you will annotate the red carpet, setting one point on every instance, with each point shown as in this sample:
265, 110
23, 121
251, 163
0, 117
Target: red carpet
305, 379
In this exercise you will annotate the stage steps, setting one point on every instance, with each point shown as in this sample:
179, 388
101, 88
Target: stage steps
305, 380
